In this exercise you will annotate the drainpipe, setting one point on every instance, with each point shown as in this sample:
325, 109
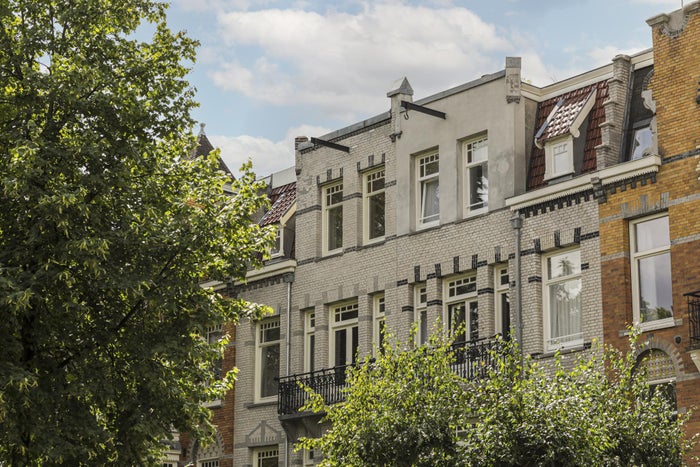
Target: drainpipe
288, 278
517, 223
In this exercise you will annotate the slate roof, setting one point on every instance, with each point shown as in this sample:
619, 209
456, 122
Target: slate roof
204, 147
282, 198
569, 106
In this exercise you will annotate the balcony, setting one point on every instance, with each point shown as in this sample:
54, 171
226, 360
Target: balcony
472, 361
694, 326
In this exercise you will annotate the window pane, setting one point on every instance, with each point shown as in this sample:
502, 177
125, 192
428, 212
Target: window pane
341, 347
478, 187
477, 151
312, 352
560, 159
564, 264
641, 142
376, 216
457, 320
505, 314
656, 300
652, 234
430, 201
270, 370
565, 311
473, 320
335, 228
429, 165
423, 326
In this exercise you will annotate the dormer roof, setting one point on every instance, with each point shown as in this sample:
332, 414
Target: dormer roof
282, 199
561, 115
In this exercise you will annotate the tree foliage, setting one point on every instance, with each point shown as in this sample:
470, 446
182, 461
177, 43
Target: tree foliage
410, 408
107, 229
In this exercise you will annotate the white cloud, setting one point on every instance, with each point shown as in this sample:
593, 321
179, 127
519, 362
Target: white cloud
267, 156
602, 55
344, 63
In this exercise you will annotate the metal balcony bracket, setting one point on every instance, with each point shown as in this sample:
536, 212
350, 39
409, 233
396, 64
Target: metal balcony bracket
419, 108
329, 144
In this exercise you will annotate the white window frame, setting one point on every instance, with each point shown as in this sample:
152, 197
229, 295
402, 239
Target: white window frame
636, 256
500, 289
420, 314
260, 345
214, 335
309, 457
379, 322
556, 147
471, 148
421, 182
208, 463
310, 341
339, 322
267, 452
373, 186
278, 248
555, 343
462, 290
329, 204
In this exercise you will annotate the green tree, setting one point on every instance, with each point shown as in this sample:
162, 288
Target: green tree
107, 229
410, 408
402, 409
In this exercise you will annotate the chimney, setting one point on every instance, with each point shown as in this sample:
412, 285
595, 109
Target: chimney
513, 65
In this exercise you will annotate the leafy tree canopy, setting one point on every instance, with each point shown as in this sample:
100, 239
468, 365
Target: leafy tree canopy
107, 228
410, 407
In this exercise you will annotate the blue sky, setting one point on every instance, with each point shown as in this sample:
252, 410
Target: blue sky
270, 70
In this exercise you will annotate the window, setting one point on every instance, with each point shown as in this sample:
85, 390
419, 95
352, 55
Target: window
379, 327
463, 308
562, 300
310, 341
421, 313
333, 218
374, 206
208, 463
501, 289
652, 297
309, 456
641, 141
428, 190
214, 334
344, 334
661, 373
266, 457
277, 247
476, 176
559, 158
268, 358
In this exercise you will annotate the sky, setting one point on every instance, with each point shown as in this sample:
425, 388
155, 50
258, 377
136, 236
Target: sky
270, 70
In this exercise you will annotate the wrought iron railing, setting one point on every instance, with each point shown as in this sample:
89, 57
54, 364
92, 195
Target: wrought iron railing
694, 317
472, 360
328, 382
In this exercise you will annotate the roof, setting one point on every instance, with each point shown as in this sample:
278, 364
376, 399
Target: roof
204, 147
558, 113
282, 199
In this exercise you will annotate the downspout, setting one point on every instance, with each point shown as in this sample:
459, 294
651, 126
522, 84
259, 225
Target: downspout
517, 223
288, 278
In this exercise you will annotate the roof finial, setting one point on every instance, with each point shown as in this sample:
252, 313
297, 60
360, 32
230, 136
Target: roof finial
201, 128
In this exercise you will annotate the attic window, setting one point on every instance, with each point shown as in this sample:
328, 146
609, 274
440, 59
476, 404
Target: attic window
560, 161
641, 142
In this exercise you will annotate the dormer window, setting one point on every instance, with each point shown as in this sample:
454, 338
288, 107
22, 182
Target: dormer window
641, 142
277, 247
560, 159
562, 135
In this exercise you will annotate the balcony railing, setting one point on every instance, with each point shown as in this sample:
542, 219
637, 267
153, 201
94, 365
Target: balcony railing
472, 361
694, 317
328, 382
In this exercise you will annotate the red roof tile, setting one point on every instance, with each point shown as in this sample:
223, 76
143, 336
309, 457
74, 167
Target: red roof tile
571, 104
282, 198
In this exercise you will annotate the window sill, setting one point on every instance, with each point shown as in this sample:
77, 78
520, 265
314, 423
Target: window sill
212, 404
428, 225
330, 254
260, 403
476, 212
654, 325
562, 351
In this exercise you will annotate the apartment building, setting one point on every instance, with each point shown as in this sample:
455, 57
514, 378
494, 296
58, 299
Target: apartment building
560, 214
